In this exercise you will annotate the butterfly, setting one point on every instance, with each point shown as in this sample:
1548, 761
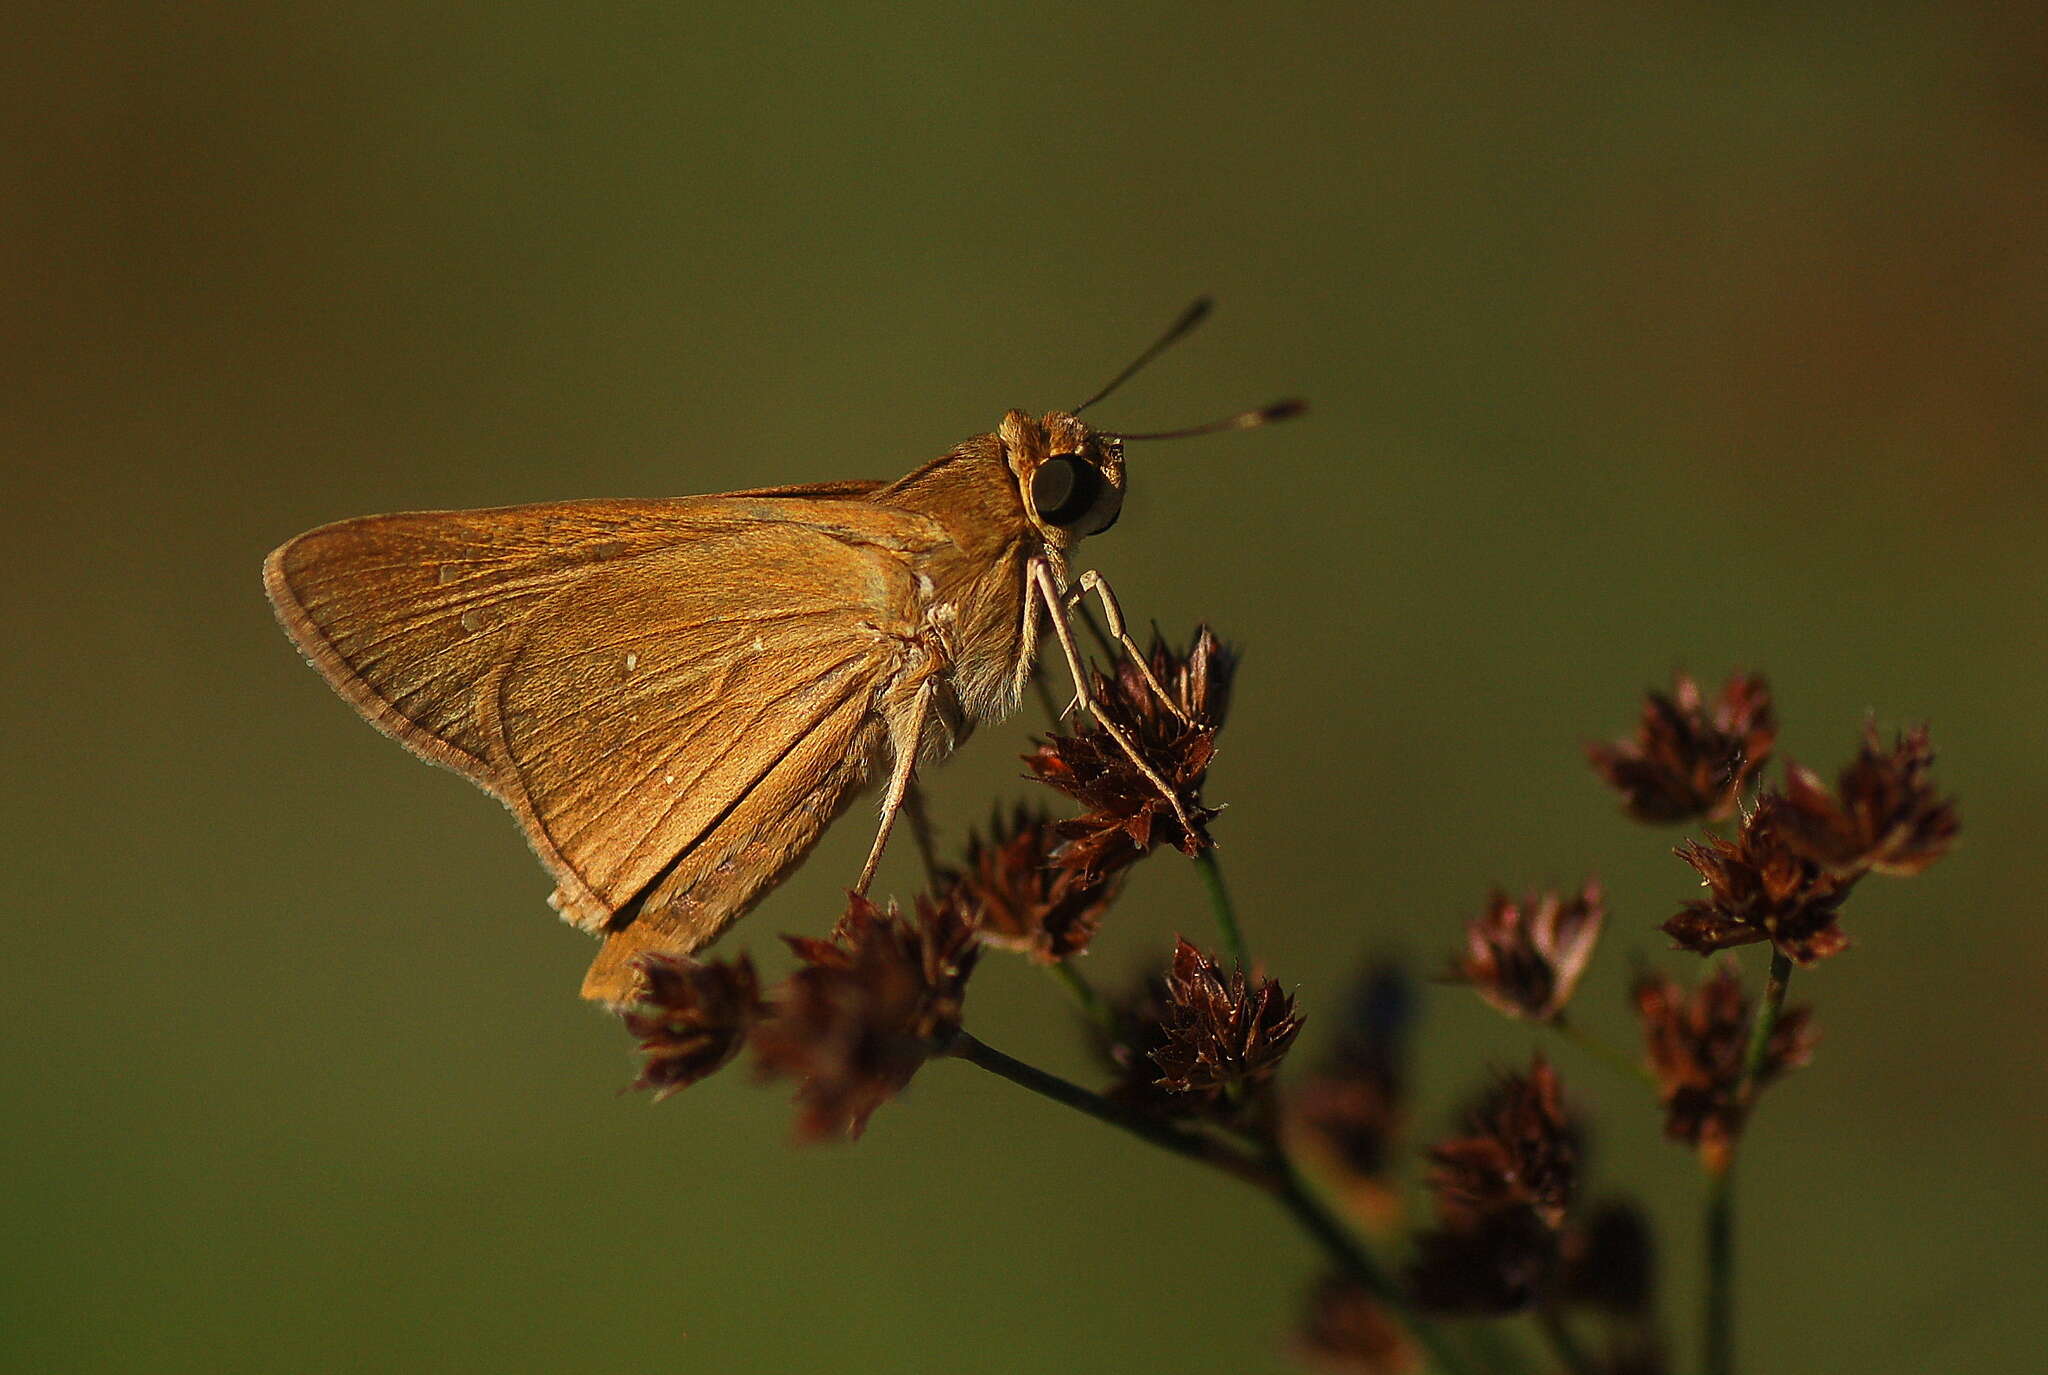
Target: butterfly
676, 697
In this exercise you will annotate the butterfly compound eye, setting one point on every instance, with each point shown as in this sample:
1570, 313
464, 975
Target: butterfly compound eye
1063, 488
1072, 494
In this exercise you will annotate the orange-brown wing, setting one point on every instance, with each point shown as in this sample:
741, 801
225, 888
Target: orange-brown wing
634, 679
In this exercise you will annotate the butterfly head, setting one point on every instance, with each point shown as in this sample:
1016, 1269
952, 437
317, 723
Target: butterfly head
1071, 478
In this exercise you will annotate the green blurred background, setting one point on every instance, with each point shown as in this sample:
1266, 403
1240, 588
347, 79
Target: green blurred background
1706, 337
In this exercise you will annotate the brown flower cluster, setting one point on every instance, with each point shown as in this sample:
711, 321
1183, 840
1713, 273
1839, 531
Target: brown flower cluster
692, 1019
1526, 958
1502, 1263
1608, 1261
1346, 1331
1501, 1193
1521, 1153
1021, 893
865, 1009
868, 1007
1762, 886
1696, 1048
1884, 814
1126, 815
1689, 759
1220, 1035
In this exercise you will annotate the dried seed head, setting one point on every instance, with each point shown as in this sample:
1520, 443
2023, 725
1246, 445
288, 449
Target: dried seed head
1609, 1261
1223, 1034
1526, 958
1520, 1153
1501, 1194
1888, 816
1696, 1048
866, 1010
692, 1018
1688, 760
1347, 1332
1501, 1263
1017, 895
1760, 887
1127, 816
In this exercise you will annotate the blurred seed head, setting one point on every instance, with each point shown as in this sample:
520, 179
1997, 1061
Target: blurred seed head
692, 1018
1346, 1331
1520, 1151
1501, 1193
1696, 1045
1500, 1262
1609, 1260
1689, 759
1018, 895
867, 1008
1526, 958
1884, 814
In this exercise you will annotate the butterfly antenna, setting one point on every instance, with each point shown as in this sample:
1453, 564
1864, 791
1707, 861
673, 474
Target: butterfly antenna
1189, 318
1243, 420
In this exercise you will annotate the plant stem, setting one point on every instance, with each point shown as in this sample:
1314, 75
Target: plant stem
1573, 1356
1192, 1145
1718, 1317
1760, 1029
1226, 912
1092, 1004
1602, 1049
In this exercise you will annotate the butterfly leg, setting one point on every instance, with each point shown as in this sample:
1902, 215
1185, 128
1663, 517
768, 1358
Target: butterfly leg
1092, 581
904, 744
1042, 580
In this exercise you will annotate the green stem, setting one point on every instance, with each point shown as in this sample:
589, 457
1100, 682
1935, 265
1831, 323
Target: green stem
1573, 1356
1718, 1316
1602, 1049
1765, 1022
1191, 1145
1091, 1002
1226, 911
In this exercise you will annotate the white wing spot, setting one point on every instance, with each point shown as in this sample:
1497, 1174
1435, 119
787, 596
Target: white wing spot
758, 646
668, 778
475, 622
632, 662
